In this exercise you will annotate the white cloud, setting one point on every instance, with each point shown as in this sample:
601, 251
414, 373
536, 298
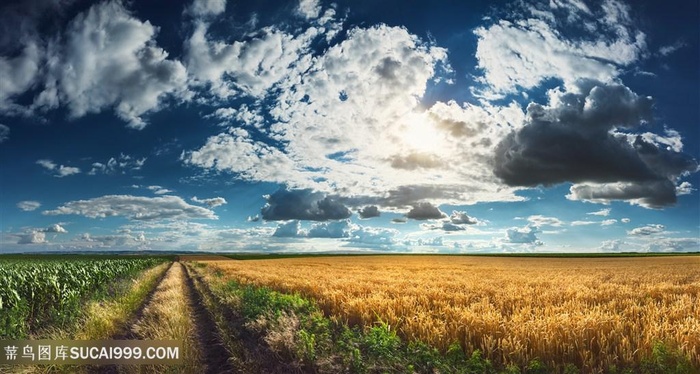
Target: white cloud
158, 190
134, 208
673, 245
28, 205
212, 203
523, 235
17, 74
333, 229
309, 9
124, 240
239, 153
647, 230
60, 171
289, 229
376, 236
32, 237
204, 8
109, 59
245, 67
370, 82
4, 132
685, 188
48, 164
671, 48
461, 217
583, 223
602, 212
55, 228
625, 220
611, 245
524, 52
117, 165
539, 221
608, 222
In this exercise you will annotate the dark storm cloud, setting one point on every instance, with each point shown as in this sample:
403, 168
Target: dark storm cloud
572, 141
303, 205
569, 142
652, 194
369, 212
423, 211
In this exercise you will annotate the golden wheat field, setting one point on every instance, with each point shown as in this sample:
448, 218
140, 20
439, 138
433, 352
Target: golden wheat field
594, 312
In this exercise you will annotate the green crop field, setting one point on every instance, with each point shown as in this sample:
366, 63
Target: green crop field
40, 292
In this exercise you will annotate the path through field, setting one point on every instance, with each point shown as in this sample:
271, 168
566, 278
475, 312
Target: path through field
174, 311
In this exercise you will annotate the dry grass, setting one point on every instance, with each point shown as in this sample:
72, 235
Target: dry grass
168, 316
593, 312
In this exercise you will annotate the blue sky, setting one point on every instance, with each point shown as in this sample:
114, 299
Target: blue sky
507, 126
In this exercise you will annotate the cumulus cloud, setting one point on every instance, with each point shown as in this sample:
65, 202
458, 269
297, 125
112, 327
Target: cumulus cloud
443, 225
108, 59
375, 236
290, 229
28, 205
370, 80
239, 153
135, 208
625, 220
369, 211
123, 240
462, 218
244, 67
309, 9
523, 235
59, 171
647, 230
254, 218
212, 203
304, 204
55, 228
335, 229
32, 237
673, 245
611, 245
654, 194
608, 222
4, 133
574, 139
423, 211
557, 41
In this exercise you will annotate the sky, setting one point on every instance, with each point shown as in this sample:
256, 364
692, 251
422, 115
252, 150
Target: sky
350, 126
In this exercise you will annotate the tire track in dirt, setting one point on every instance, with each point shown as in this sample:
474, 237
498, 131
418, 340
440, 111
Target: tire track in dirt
248, 352
215, 356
